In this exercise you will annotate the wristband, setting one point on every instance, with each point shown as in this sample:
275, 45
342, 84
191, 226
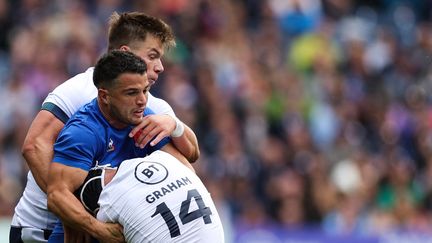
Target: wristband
179, 129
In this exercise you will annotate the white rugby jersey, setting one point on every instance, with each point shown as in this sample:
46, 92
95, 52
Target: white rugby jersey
158, 199
31, 210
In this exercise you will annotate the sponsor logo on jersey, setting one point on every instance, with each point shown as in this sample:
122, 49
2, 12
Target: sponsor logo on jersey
150, 173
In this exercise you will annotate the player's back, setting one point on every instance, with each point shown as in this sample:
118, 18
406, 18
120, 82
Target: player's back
158, 199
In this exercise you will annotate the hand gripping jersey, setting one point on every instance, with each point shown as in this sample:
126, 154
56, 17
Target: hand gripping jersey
158, 199
65, 100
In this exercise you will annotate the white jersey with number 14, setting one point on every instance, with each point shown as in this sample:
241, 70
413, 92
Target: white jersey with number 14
158, 199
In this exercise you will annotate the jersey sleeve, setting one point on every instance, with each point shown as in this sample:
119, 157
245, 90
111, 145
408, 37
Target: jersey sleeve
159, 106
56, 111
76, 146
69, 96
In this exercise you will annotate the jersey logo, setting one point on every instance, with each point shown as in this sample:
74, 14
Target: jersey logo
110, 146
150, 173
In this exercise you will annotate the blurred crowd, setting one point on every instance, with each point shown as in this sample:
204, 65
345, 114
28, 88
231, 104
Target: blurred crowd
308, 112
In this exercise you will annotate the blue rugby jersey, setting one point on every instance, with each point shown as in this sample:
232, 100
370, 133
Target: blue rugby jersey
87, 140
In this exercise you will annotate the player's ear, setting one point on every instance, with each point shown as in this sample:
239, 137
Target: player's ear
103, 94
124, 48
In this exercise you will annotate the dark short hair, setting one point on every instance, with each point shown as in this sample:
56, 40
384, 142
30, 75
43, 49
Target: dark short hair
114, 63
128, 28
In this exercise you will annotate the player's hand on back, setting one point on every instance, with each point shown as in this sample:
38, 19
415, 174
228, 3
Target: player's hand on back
158, 126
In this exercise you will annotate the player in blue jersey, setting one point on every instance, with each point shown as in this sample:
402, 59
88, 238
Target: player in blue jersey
147, 37
97, 135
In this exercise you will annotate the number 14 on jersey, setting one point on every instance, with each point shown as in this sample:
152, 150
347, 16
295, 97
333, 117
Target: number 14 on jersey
185, 216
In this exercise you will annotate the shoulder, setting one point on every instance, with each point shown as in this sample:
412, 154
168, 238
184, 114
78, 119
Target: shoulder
78, 133
159, 106
79, 81
73, 93
85, 122
160, 155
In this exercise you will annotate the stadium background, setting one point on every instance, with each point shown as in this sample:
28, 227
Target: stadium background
313, 116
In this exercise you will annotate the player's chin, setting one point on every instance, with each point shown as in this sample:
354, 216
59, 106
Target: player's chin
152, 81
135, 119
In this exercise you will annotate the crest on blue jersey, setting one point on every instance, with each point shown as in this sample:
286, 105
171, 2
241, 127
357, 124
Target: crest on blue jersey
110, 146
